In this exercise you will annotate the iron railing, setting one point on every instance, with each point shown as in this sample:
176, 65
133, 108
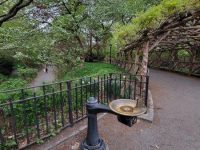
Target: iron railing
29, 115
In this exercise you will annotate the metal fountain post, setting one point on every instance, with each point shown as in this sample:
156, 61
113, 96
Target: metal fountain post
92, 140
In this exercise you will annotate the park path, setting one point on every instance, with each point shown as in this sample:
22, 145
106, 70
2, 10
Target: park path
176, 124
44, 76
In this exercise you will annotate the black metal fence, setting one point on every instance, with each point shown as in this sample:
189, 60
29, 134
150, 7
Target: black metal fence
31, 114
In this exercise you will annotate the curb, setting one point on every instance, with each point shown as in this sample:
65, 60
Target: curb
150, 110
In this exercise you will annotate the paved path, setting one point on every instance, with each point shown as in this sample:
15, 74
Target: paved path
176, 124
44, 77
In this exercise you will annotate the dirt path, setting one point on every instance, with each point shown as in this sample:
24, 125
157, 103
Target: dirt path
176, 124
44, 76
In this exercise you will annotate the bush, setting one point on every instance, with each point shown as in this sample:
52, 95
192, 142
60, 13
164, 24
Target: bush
8, 85
27, 73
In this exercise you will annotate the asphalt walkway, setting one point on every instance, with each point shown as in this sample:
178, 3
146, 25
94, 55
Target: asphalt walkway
44, 77
176, 124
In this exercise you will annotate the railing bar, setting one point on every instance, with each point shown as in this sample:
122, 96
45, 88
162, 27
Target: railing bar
129, 87
135, 86
13, 122
147, 91
36, 116
104, 99
115, 96
70, 103
61, 106
81, 98
86, 95
110, 86
94, 90
25, 117
33, 87
54, 110
101, 90
76, 100
120, 83
107, 93
90, 86
98, 89
46, 110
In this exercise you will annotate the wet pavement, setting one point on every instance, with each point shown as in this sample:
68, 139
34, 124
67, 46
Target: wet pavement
176, 124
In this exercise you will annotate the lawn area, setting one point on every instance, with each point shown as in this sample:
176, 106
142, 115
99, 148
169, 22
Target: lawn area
92, 69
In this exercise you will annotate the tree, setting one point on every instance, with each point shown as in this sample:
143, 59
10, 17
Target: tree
12, 10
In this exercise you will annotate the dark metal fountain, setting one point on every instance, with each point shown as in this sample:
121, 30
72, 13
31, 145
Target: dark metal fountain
126, 111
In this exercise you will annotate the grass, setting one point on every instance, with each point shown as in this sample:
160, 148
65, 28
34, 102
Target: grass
92, 69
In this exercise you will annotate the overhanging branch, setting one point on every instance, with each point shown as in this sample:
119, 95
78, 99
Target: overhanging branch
14, 10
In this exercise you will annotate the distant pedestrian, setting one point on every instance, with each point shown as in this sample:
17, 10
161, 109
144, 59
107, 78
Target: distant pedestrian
45, 69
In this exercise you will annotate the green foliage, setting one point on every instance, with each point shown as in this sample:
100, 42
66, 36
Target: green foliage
27, 73
150, 19
183, 54
92, 69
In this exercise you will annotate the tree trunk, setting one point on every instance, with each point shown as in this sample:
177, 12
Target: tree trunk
143, 68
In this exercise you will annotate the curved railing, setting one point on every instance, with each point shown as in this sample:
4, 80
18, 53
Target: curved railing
28, 115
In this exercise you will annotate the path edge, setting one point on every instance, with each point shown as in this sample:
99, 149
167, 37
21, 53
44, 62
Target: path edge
149, 116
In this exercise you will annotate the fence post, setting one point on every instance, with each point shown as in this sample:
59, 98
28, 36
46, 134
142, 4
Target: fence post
70, 102
13, 122
146, 90
2, 120
110, 91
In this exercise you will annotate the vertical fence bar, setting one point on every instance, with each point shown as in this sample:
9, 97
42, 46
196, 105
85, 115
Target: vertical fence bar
146, 90
110, 86
94, 90
25, 116
76, 100
135, 84
54, 109
129, 89
107, 91
14, 127
120, 83
61, 105
36, 115
82, 97
101, 90
70, 103
86, 94
124, 86
98, 89
46, 109
141, 85
115, 87
90, 86
104, 84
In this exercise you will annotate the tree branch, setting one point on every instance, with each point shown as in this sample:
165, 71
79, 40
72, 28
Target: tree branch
14, 10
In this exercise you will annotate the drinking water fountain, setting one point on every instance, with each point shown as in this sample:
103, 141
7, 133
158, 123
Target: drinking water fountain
126, 111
